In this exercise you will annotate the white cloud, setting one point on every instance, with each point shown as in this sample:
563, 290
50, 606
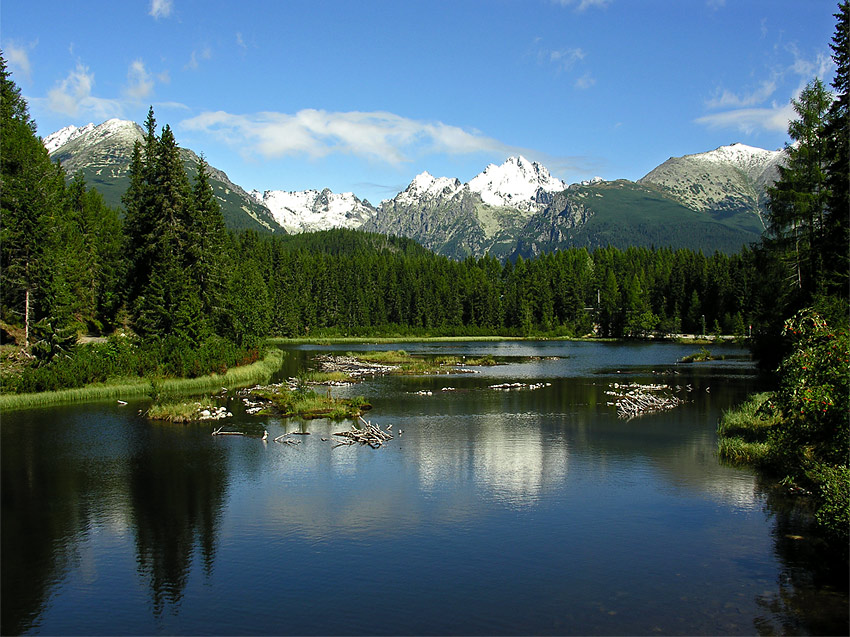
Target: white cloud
583, 4
565, 59
376, 135
68, 94
748, 111
585, 81
18, 59
749, 120
139, 81
72, 96
161, 8
197, 55
727, 99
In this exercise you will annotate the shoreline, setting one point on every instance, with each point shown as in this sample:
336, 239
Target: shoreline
122, 389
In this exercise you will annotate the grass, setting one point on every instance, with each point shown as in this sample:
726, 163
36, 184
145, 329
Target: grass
743, 432
122, 389
314, 376
699, 357
415, 365
309, 404
187, 411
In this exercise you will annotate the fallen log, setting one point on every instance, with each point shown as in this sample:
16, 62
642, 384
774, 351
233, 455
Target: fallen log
219, 432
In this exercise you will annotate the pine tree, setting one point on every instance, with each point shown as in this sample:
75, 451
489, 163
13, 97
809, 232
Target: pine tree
836, 236
798, 199
31, 192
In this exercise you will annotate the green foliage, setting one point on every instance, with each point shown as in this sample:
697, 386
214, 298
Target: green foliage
814, 393
833, 494
124, 358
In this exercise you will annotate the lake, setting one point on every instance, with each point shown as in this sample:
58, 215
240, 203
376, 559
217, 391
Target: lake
532, 511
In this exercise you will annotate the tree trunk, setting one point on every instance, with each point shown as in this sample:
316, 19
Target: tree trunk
27, 319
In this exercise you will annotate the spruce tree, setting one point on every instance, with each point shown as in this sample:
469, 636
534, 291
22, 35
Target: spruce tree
798, 199
836, 240
31, 192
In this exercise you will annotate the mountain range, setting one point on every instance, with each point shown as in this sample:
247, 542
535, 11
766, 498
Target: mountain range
710, 201
103, 154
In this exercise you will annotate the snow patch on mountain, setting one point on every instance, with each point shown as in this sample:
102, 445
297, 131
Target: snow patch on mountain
61, 137
753, 161
425, 185
312, 210
518, 183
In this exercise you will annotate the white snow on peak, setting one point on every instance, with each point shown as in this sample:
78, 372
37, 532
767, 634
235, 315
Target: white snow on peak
515, 183
310, 210
61, 137
426, 184
738, 154
94, 134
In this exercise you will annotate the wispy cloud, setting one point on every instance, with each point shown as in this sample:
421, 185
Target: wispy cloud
583, 4
197, 55
728, 99
18, 58
139, 81
161, 8
565, 59
749, 111
749, 120
585, 81
72, 96
376, 135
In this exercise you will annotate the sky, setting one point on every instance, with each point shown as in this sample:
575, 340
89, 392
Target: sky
363, 96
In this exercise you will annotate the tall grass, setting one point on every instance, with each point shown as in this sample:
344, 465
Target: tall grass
743, 432
134, 388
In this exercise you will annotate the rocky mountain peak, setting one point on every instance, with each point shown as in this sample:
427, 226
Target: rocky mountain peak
517, 182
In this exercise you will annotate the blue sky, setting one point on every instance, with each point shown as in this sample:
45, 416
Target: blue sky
362, 96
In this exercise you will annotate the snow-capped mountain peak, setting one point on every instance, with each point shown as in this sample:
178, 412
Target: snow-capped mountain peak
311, 210
517, 182
64, 135
120, 130
737, 154
425, 184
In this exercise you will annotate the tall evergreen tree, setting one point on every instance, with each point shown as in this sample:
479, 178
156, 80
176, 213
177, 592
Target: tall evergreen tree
31, 192
836, 242
798, 199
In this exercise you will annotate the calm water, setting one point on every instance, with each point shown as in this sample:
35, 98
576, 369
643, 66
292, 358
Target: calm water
520, 512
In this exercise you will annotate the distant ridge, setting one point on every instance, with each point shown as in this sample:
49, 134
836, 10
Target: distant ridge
102, 154
709, 201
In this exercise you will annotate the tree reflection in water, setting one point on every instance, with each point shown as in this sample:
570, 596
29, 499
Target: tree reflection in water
812, 587
177, 487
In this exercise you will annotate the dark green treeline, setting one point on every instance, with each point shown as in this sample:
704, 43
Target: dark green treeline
349, 282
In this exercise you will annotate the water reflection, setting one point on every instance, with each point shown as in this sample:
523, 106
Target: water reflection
614, 526
177, 485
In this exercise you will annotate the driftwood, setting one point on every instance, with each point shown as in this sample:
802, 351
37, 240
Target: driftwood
367, 434
283, 439
635, 400
219, 432
352, 366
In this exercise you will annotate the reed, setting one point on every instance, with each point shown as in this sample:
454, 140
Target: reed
180, 412
743, 432
123, 389
309, 404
